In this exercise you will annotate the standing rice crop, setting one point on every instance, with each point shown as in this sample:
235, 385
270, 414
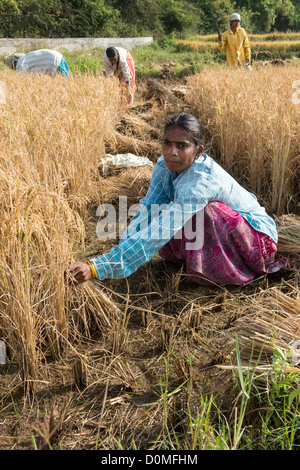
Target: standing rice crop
253, 125
52, 136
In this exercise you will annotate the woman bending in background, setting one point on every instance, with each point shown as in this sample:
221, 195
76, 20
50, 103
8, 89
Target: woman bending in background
41, 61
118, 61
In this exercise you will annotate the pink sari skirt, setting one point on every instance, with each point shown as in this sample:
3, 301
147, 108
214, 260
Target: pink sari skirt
232, 253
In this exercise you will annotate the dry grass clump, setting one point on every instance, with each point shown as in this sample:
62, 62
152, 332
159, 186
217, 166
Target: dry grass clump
268, 322
132, 183
254, 128
122, 143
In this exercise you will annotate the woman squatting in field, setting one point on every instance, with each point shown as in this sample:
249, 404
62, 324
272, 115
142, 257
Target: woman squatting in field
195, 214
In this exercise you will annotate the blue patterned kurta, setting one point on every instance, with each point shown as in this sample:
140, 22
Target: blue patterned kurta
183, 196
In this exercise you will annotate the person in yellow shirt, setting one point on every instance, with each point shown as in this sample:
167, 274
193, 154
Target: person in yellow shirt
236, 43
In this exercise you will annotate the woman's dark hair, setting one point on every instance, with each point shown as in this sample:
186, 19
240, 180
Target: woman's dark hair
111, 52
190, 123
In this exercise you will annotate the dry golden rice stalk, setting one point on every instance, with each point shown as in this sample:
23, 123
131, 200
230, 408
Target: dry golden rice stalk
125, 372
183, 369
288, 227
257, 141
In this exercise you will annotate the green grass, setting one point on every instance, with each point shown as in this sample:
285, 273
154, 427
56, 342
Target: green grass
264, 416
85, 61
169, 57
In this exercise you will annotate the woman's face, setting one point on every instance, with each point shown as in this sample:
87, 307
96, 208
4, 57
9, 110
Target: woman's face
113, 60
179, 149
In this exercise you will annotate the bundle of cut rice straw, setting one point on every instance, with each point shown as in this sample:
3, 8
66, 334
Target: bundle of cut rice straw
268, 323
288, 227
131, 182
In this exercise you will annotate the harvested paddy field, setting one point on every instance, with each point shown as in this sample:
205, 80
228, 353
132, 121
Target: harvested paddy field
152, 361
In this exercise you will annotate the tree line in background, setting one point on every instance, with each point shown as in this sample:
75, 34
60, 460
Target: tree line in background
130, 18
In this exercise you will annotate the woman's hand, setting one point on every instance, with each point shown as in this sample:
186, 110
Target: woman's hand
80, 272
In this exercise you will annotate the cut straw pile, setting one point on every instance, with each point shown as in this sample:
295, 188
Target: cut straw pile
269, 321
132, 183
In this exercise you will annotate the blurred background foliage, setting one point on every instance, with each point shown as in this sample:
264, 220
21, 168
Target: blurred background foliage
157, 18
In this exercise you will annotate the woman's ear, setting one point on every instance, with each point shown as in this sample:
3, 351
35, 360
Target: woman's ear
199, 150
